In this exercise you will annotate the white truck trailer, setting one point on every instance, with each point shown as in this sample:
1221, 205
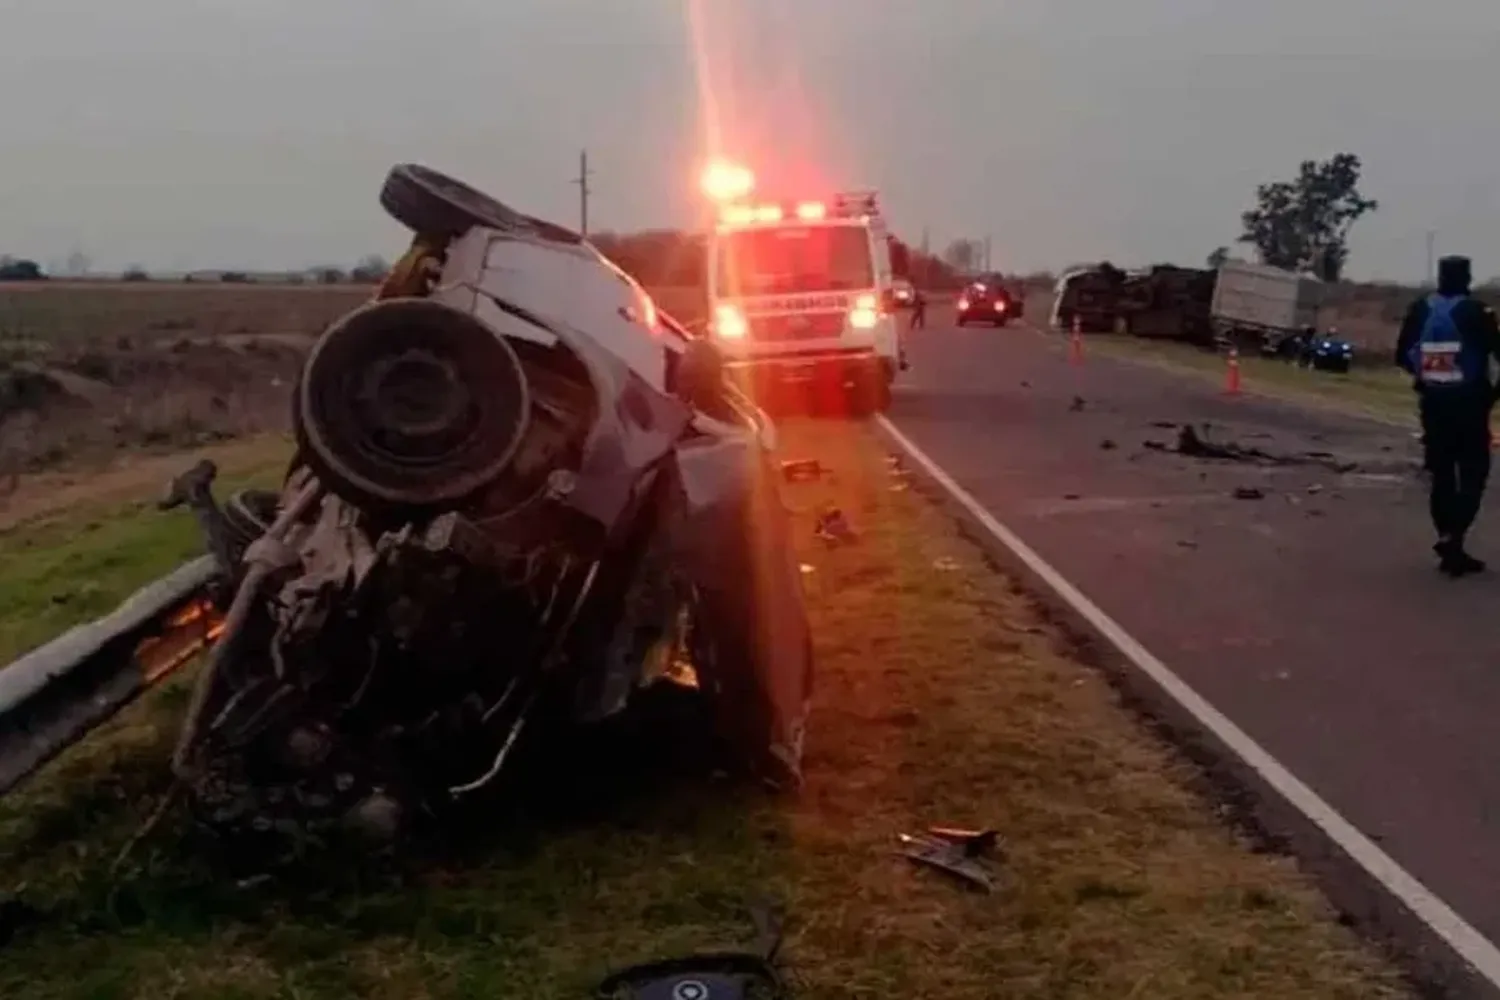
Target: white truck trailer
1257, 301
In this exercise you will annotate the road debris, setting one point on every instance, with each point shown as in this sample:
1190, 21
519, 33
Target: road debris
898, 472
833, 528
1078, 404
802, 470
1108, 445
1193, 444
712, 975
1248, 493
960, 853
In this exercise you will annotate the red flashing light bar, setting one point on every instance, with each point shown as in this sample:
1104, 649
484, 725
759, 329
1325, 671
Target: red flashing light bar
842, 206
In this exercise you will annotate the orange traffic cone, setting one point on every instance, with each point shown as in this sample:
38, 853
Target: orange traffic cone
1232, 373
1075, 343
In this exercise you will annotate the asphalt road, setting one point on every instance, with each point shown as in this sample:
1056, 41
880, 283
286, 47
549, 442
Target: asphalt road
1307, 609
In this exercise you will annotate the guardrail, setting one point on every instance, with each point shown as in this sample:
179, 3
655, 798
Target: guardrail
60, 692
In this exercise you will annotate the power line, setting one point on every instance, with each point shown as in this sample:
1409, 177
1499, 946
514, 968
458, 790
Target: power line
582, 180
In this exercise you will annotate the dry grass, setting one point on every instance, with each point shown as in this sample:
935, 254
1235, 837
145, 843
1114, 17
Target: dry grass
105, 313
944, 697
93, 370
1382, 393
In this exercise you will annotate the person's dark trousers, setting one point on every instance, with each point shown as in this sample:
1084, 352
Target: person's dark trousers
1456, 452
919, 315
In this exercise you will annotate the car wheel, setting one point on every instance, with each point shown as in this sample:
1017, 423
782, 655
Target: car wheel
433, 204
410, 405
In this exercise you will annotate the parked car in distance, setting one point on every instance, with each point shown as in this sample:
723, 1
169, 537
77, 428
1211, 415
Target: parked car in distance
987, 300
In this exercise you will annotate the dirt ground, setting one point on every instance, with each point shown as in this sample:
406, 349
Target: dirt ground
94, 372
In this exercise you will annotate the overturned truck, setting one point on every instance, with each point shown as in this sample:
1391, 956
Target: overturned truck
1163, 301
520, 495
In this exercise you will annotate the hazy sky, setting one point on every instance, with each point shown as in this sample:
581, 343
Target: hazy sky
255, 133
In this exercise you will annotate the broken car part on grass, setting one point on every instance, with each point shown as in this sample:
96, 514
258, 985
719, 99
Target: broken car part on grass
520, 495
712, 975
961, 853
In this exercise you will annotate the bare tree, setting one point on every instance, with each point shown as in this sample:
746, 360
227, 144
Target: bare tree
962, 255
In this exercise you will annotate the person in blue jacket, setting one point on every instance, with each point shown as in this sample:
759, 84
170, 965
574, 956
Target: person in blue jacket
1446, 343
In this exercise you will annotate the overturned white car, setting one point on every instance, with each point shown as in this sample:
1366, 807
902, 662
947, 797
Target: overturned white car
520, 495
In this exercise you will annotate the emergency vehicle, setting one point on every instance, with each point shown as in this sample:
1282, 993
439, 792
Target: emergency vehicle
803, 292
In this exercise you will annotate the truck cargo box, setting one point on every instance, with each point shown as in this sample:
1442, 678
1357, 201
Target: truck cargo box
1261, 297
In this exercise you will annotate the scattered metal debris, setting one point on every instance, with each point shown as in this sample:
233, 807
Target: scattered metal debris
833, 528
898, 472
961, 853
802, 470
1192, 444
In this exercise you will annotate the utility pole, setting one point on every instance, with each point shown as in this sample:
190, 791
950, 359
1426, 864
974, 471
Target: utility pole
582, 180
986, 254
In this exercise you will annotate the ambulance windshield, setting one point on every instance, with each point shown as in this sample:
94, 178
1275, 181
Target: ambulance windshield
787, 259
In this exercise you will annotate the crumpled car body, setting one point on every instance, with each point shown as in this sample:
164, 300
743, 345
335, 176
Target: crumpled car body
521, 495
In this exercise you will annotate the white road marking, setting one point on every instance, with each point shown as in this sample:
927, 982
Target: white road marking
1473, 947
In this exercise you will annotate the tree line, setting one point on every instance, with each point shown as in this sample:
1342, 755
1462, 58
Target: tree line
1302, 224
656, 258
368, 270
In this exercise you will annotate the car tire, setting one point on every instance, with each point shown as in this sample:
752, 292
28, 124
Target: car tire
431, 203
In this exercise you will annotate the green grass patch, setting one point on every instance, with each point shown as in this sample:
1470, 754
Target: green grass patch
1382, 393
66, 566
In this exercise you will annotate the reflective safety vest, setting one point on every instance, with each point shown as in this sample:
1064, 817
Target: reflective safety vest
1440, 357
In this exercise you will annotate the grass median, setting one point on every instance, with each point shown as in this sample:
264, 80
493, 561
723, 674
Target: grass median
1383, 393
945, 697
